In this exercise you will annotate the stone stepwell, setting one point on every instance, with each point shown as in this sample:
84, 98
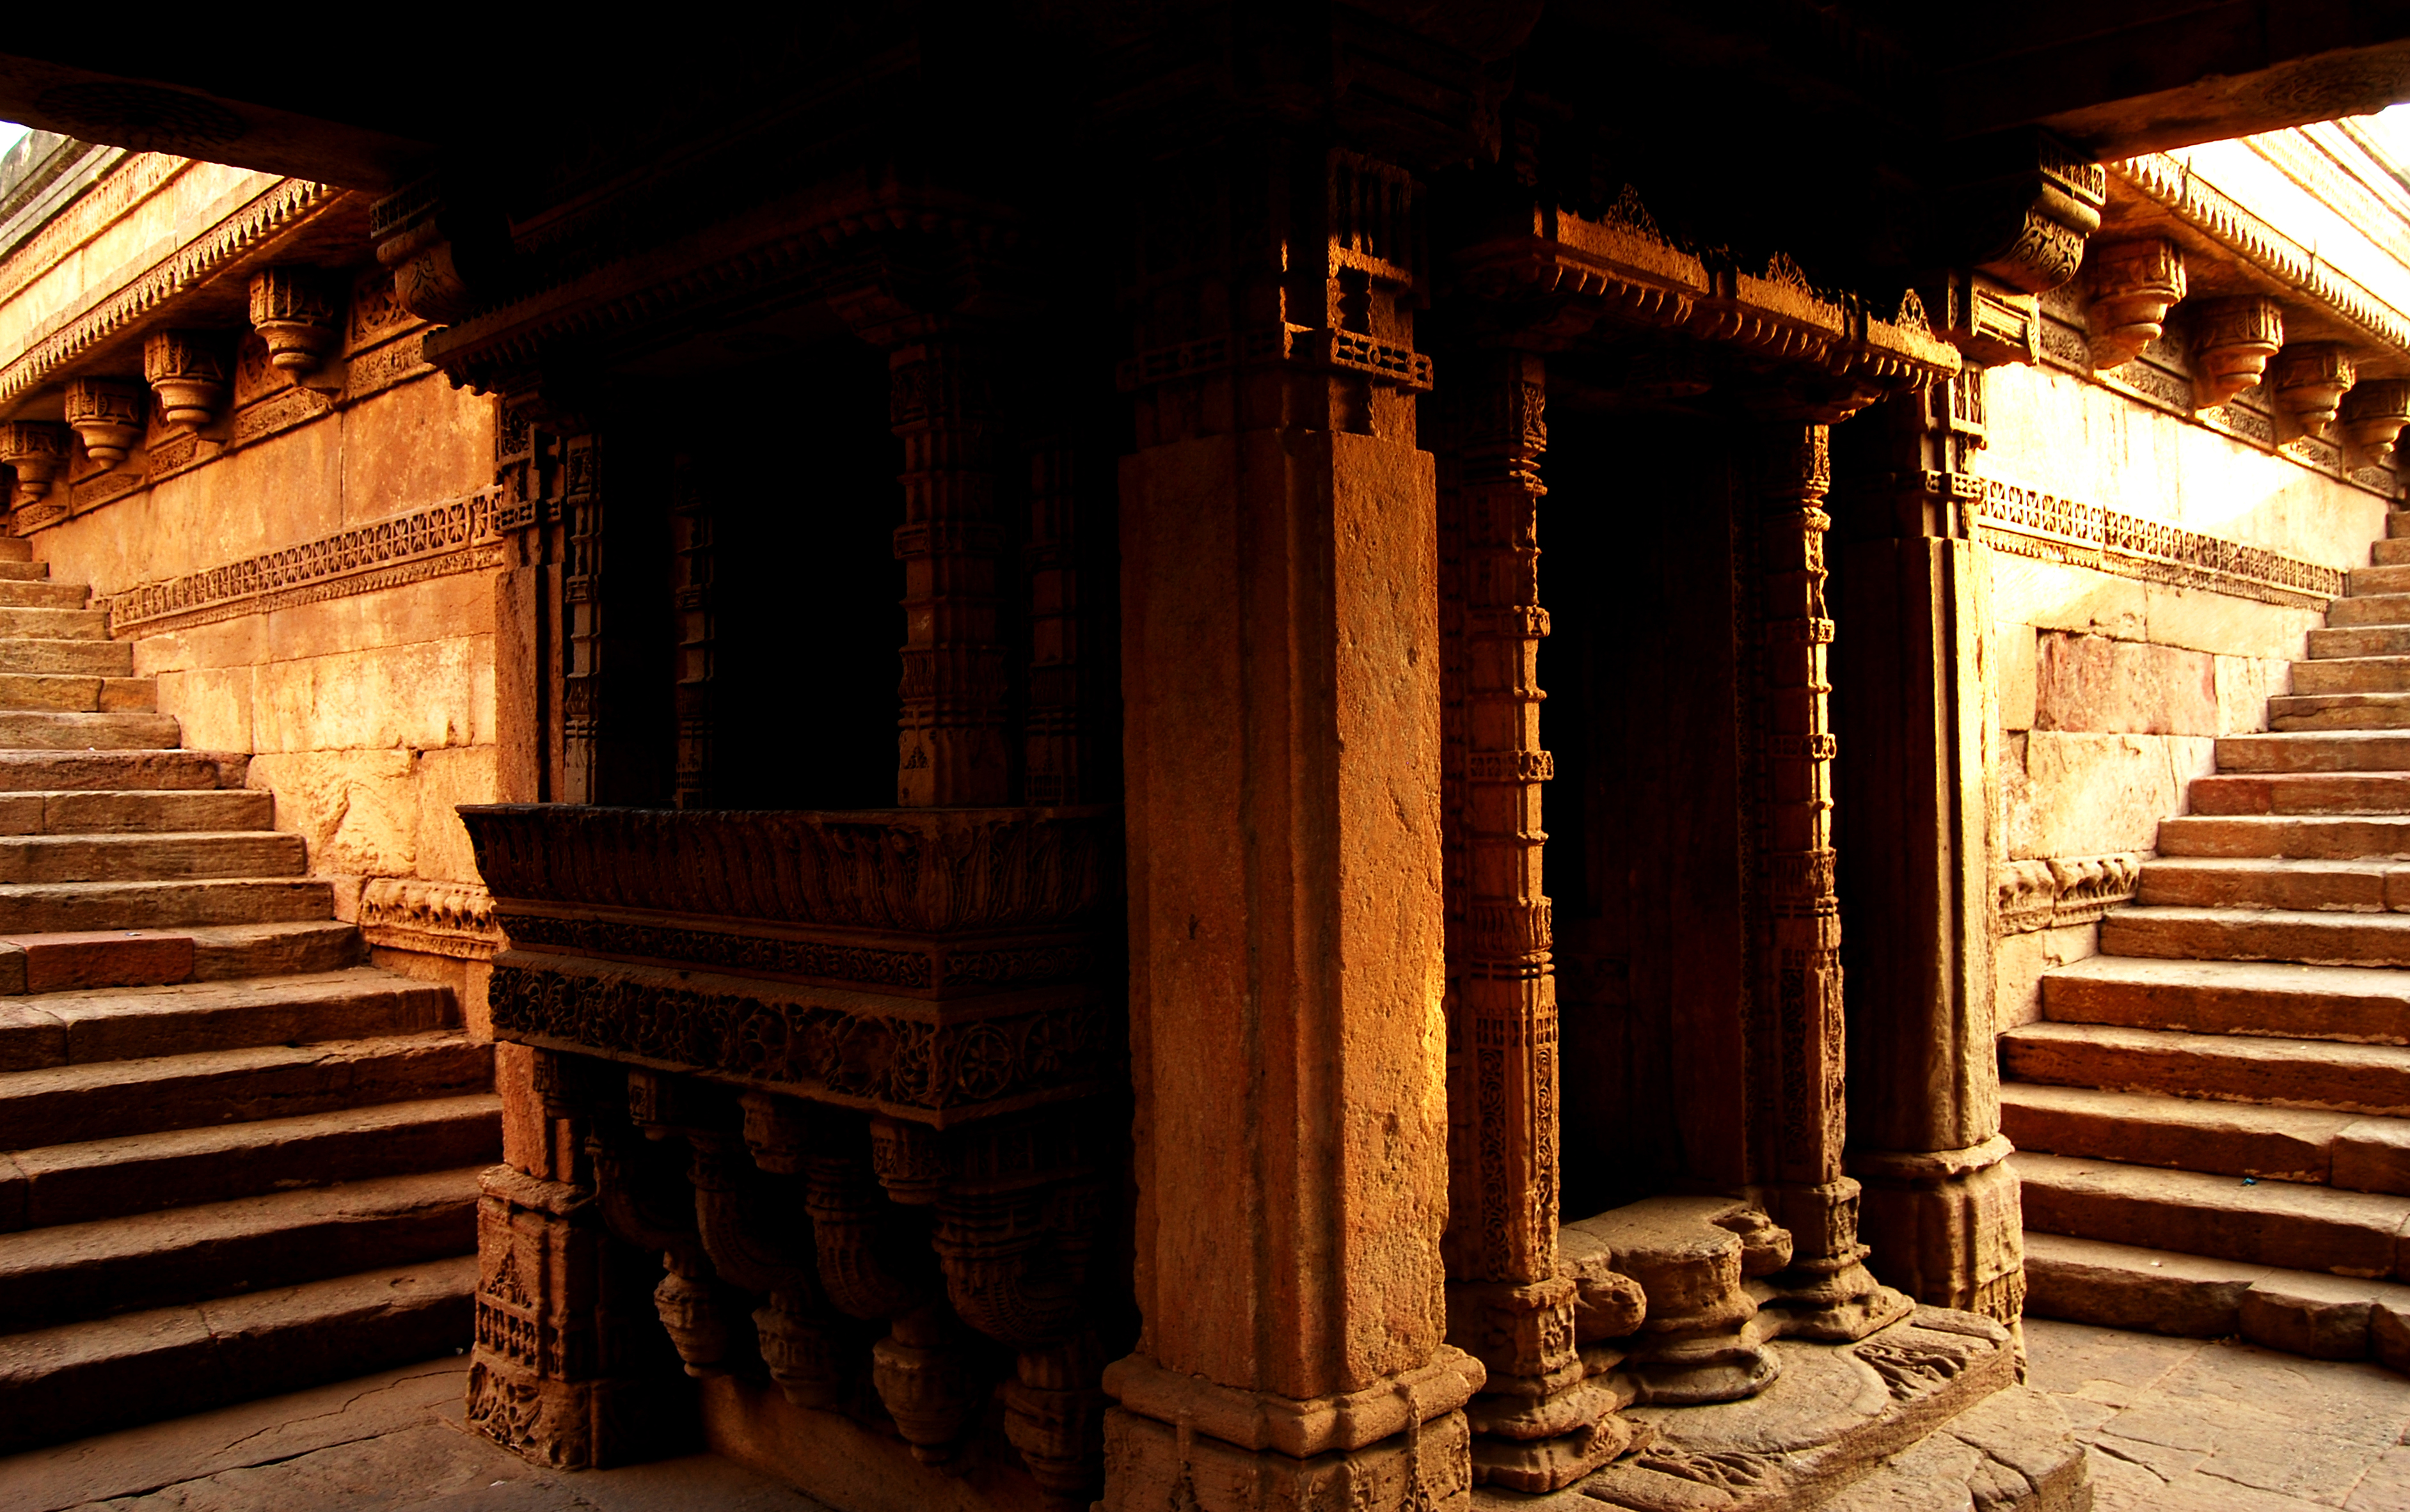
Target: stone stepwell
2213, 1118
235, 1159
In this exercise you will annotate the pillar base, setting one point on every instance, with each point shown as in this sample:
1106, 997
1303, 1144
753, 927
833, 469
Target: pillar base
1949, 1225
1546, 1418
1826, 1292
1182, 1441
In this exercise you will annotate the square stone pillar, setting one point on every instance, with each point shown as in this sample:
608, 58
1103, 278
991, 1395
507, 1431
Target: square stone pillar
1280, 676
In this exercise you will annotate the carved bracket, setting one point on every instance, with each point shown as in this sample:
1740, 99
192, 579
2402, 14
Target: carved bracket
187, 370
2373, 415
2233, 342
36, 451
109, 415
2133, 284
295, 312
2310, 379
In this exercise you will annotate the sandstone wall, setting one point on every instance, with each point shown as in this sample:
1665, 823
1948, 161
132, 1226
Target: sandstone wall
2111, 688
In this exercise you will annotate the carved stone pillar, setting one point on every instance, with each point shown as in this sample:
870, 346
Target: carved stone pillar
1940, 1205
1541, 1424
1057, 755
1280, 672
2232, 341
1795, 1028
690, 584
2133, 286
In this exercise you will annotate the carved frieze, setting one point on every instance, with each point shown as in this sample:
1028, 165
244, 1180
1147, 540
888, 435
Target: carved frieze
2133, 286
108, 415
440, 918
2062, 891
2310, 379
2373, 414
188, 372
2032, 523
2232, 342
295, 312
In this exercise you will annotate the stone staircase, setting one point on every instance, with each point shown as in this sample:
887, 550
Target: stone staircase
2213, 1118
235, 1159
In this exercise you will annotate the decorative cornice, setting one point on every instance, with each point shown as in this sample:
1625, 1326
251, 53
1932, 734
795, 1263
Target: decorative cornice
2030, 523
129, 181
2063, 890
456, 536
2297, 271
250, 233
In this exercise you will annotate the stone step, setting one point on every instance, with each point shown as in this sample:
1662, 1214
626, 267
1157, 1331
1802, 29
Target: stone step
2297, 793
2307, 936
42, 731
2368, 581
118, 772
154, 812
55, 962
2310, 837
53, 625
146, 857
82, 1379
2310, 751
54, 1275
2361, 1004
2349, 1150
2380, 609
2284, 1223
40, 593
67, 658
108, 1178
2339, 710
2234, 1068
105, 1024
79, 694
25, 572
83, 906
16, 549
2352, 674
113, 1099
2360, 640
2389, 552
2257, 882
2163, 1292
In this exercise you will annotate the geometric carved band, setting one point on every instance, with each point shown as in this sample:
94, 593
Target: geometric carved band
2032, 522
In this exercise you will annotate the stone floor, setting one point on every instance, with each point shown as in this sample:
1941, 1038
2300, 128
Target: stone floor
2193, 1425
2175, 1425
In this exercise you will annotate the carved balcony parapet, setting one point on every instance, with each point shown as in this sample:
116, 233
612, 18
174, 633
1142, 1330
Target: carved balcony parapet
2373, 414
2310, 379
2133, 286
298, 314
2233, 342
36, 451
108, 415
187, 370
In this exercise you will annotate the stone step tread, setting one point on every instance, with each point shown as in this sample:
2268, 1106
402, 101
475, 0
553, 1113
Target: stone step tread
42, 592
2313, 937
2388, 552
2310, 1313
2360, 640
104, 1178
41, 730
211, 1249
166, 768
2278, 1072
2301, 837
153, 858
99, 1025
2306, 794
75, 1379
2263, 882
2364, 1004
100, 905
25, 572
35, 624
35, 656
2369, 609
113, 1099
2354, 1151
2377, 578
144, 811
70, 692
2313, 751
2284, 1223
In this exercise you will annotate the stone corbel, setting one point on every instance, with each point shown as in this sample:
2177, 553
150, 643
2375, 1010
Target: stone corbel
297, 315
2026, 224
415, 236
1987, 321
108, 415
797, 1345
2233, 342
2373, 415
2310, 379
2133, 286
188, 373
36, 451
686, 1298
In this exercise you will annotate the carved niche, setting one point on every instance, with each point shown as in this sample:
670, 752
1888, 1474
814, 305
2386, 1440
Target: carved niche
2310, 379
2373, 415
2133, 284
188, 372
2233, 342
108, 415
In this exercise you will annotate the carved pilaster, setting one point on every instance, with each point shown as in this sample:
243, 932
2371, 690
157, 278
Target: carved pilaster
2310, 379
108, 415
2373, 414
298, 314
36, 451
2232, 341
2133, 285
1057, 754
188, 372
583, 721
951, 745
690, 519
1795, 1023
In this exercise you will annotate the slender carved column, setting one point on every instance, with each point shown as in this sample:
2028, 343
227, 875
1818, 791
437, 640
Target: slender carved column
1510, 1302
951, 749
1796, 1024
1056, 759
690, 540
582, 723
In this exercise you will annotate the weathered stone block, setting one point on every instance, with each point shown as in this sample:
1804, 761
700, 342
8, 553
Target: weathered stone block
2095, 683
213, 704
2122, 1285
429, 694
2372, 1155
2081, 794
413, 442
357, 810
448, 777
2019, 960
2017, 652
2324, 1318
